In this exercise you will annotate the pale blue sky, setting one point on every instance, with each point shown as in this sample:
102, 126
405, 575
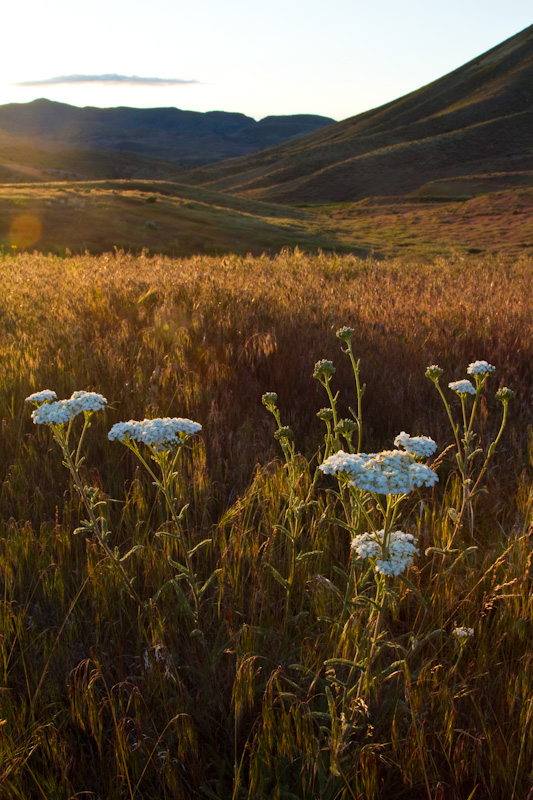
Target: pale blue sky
278, 57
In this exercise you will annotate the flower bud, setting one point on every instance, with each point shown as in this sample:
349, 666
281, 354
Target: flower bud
269, 399
345, 333
323, 369
434, 372
504, 394
284, 433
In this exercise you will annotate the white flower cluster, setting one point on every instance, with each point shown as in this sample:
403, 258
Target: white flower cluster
422, 446
462, 387
164, 433
401, 550
463, 633
44, 396
61, 411
87, 401
388, 472
480, 368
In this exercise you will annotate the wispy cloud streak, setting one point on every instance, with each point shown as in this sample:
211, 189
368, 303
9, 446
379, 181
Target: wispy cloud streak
112, 80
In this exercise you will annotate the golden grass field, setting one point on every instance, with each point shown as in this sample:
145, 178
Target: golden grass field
301, 674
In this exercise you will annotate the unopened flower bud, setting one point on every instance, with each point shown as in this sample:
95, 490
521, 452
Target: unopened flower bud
434, 372
504, 394
269, 399
284, 433
345, 333
323, 369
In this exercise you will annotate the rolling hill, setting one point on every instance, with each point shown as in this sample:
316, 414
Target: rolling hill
475, 121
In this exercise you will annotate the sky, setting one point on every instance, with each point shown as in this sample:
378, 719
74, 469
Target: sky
278, 57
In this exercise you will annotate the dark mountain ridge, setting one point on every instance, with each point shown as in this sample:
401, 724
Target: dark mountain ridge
186, 138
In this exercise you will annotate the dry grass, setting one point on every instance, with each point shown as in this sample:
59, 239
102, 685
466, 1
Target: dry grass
448, 218
101, 698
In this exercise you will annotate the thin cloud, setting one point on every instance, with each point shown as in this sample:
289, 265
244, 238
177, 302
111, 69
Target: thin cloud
110, 80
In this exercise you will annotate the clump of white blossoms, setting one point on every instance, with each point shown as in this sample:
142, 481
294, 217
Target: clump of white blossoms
389, 472
462, 633
163, 433
87, 401
58, 412
463, 387
44, 396
480, 368
421, 446
392, 560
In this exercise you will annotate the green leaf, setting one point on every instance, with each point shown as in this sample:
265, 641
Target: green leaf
452, 513
209, 581
130, 553
199, 546
339, 522
275, 574
305, 556
183, 602
410, 585
342, 662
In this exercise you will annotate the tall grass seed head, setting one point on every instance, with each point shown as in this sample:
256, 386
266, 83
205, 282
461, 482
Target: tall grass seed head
421, 446
480, 368
44, 396
462, 388
324, 369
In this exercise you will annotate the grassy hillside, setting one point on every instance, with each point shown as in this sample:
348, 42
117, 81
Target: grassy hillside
471, 214
475, 120
243, 647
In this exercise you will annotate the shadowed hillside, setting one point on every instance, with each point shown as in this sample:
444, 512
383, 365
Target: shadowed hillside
134, 142
475, 121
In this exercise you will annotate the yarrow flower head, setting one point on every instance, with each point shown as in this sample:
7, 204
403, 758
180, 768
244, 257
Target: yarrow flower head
388, 472
164, 433
480, 368
87, 401
421, 446
462, 633
401, 549
44, 396
58, 412
54, 413
462, 387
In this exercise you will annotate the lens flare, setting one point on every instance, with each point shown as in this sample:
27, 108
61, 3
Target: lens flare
25, 230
